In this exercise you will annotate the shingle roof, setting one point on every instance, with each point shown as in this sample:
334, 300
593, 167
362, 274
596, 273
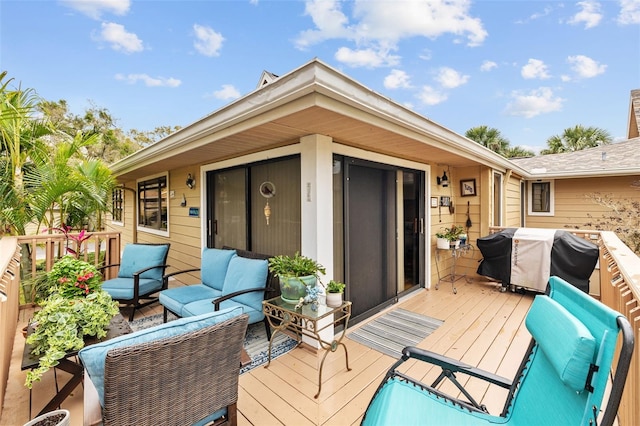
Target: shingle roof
615, 158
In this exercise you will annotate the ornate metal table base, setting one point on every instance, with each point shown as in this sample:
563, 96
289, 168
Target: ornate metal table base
305, 322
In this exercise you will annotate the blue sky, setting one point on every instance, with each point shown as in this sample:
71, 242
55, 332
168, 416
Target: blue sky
528, 68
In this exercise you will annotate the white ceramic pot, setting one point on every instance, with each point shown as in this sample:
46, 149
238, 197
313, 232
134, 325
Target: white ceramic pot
442, 243
334, 300
64, 418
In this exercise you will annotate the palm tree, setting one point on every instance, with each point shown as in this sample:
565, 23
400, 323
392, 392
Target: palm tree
489, 137
577, 138
519, 152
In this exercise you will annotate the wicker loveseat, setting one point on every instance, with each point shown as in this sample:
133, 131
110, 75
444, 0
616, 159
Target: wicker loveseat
184, 372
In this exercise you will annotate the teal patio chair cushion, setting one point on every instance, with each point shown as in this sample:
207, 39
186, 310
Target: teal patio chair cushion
93, 357
566, 342
122, 288
140, 256
200, 307
174, 299
214, 266
244, 273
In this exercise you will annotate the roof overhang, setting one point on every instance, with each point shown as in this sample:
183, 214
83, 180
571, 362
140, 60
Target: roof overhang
312, 99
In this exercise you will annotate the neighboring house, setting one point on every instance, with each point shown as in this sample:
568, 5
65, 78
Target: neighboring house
313, 161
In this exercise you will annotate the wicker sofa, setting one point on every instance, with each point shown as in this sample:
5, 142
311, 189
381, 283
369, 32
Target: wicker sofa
182, 372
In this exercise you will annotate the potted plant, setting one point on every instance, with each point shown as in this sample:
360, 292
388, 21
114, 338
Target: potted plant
335, 291
451, 235
59, 417
76, 306
295, 274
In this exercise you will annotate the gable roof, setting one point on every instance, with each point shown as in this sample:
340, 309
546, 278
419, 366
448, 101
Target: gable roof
619, 158
312, 99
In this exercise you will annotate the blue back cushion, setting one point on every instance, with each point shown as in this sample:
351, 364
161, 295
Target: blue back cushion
140, 256
244, 274
93, 357
566, 341
214, 266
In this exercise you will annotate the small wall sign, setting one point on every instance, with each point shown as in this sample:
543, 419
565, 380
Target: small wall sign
194, 211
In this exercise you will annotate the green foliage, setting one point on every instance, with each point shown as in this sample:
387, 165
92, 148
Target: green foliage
492, 138
296, 266
452, 234
76, 306
577, 138
335, 287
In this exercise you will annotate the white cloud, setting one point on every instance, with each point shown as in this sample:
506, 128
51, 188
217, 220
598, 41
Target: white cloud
430, 96
379, 26
148, 81
589, 14
397, 79
586, 67
208, 42
227, 92
629, 12
119, 38
450, 78
533, 103
95, 8
535, 68
370, 58
488, 65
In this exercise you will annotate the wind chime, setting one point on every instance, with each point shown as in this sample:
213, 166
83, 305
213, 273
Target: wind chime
267, 190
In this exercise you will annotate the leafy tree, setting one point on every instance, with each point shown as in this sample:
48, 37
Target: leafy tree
492, 138
577, 138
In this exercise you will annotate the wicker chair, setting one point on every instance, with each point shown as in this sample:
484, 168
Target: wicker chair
191, 378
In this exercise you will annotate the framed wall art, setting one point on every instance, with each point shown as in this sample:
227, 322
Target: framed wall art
434, 202
467, 187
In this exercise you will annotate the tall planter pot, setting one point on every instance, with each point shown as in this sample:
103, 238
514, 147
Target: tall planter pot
293, 288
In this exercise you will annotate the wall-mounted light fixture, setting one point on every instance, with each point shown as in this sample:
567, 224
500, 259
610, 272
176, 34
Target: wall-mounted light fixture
191, 182
444, 180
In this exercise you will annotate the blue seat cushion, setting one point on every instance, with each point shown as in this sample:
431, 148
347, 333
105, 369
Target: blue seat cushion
122, 288
214, 266
136, 257
93, 357
565, 340
205, 305
174, 299
244, 274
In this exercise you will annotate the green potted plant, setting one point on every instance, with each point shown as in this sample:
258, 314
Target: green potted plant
451, 235
75, 306
335, 291
295, 274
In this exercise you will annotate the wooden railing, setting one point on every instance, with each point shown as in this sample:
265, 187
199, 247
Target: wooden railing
9, 289
39, 253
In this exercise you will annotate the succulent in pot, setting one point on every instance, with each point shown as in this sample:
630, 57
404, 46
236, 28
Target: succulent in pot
335, 291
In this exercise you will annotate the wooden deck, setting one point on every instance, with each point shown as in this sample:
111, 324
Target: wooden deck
482, 326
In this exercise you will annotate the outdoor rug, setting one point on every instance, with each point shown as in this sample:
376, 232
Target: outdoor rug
255, 342
391, 332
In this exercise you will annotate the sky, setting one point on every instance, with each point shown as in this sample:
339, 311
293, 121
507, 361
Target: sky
527, 68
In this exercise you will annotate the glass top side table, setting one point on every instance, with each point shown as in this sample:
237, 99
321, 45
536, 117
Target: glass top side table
307, 322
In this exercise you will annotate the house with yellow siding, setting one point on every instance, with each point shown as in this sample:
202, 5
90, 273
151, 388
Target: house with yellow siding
315, 162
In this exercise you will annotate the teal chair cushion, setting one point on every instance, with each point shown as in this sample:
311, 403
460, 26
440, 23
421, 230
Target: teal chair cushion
122, 288
565, 341
214, 264
93, 357
244, 274
203, 306
140, 256
174, 299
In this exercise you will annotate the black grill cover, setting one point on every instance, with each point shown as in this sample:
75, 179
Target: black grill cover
572, 258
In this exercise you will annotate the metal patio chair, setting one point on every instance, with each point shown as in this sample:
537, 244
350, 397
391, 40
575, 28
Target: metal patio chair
561, 380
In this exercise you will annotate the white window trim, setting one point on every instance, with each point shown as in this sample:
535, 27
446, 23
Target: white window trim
142, 228
552, 194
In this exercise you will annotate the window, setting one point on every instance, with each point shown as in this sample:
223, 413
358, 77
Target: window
541, 198
152, 205
117, 205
